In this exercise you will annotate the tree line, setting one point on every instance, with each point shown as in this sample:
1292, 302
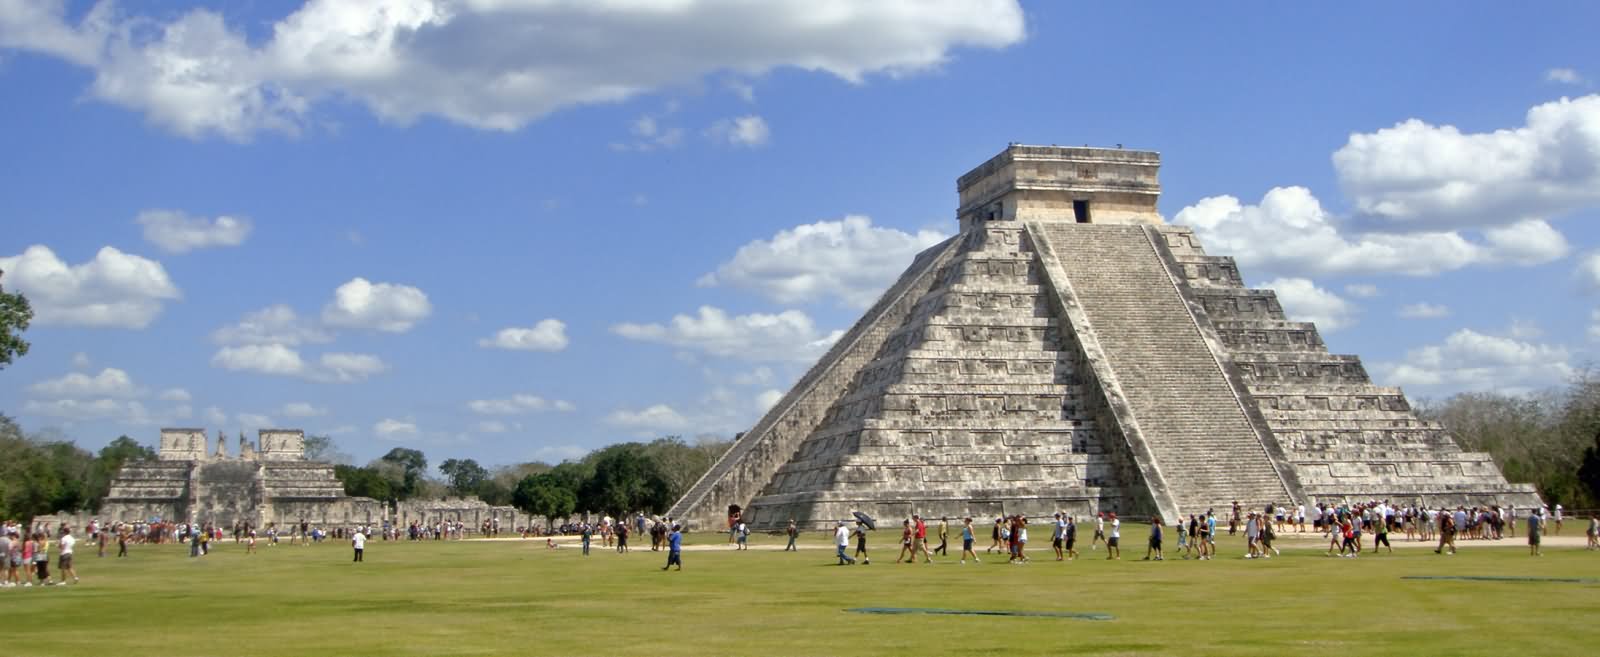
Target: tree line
45, 472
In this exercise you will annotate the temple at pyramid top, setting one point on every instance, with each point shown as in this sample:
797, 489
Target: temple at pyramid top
1060, 183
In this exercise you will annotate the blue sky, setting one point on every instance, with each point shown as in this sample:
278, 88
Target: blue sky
517, 232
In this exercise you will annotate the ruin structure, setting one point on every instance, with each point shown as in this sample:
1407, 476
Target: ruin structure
269, 482
1070, 351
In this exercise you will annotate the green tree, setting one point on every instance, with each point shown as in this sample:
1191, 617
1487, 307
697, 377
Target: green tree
15, 314
123, 450
412, 466
364, 482
1589, 471
544, 495
323, 448
625, 480
464, 476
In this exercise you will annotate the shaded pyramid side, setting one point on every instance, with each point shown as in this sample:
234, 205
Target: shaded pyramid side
1347, 438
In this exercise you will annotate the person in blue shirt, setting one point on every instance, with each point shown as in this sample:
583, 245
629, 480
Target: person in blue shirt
675, 548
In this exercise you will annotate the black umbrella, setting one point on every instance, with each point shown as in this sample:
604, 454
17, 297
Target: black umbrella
865, 519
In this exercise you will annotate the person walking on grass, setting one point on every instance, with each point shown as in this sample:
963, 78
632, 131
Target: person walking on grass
861, 542
841, 540
995, 533
944, 537
1535, 528
1183, 538
675, 548
966, 542
1113, 551
41, 558
1099, 531
1381, 537
358, 541
1447, 532
793, 532
1019, 539
64, 560
1154, 548
1058, 537
744, 536
588, 535
905, 543
919, 539
1070, 539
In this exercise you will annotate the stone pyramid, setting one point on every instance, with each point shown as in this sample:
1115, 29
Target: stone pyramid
1068, 351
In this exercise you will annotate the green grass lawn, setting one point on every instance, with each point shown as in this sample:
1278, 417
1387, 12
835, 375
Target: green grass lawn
519, 598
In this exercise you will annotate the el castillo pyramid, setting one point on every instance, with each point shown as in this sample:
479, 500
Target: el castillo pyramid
1069, 351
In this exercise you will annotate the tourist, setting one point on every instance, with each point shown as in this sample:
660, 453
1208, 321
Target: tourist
1535, 528
1019, 539
1058, 537
194, 541
358, 540
1252, 536
122, 540
1099, 532
995, 535
1447, 532
250, 541
587, 533
919, 539
622, 537
1203, 537
1070, 538
1113, 551
966, 542
5, 556
793, 533
905, 543
1557, 531
64, 558
861, 542
743, 532
1594, 532
1155, 540
841, 540
1381, 537
1183, 538
41, 558
1268, 535
675, 548
944, 537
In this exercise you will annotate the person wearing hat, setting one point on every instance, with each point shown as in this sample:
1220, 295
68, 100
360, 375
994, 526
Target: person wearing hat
841, 540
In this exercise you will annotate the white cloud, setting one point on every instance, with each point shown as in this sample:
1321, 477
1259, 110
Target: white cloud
110, 382
80, 360
744, 90
487, 64
518, 404
767, 398
759, 376
278, 324
749, 131
215, 417
849, 260
256, 420
1420, 174
1524, 329
115, 289
378, 306
492, 426
1290, 233
547, 335
1594, 324
657, 418
1563, 76
176, 232
1361, 290
175, 394
392, 428
1303, 301
650, 135
1424, 311
303, 409
789, 335
281, 360
1472, 360
1588, 272
79, 410
558, 453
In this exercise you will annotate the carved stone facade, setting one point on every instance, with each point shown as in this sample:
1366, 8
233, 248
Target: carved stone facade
1068, 351
273, 484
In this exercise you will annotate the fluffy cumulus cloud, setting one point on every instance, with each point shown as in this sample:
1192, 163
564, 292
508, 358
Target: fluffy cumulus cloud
176, 232
114, 289
1589, 272
121, 411
1424, 310
281, 360
1303, 301
278, 324
1290, 233
787, 336
175, 395
1420, 174
850, 260
748, 131
110, 382
547, 335
394, 429
656, 418
519, 404
1362, 290
378, 306
303, 409
767, 399
487, 64
1468, 359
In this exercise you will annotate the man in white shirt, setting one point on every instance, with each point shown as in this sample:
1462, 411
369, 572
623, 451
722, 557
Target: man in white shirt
841, 540
1113, 548
65, 563
359, 540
